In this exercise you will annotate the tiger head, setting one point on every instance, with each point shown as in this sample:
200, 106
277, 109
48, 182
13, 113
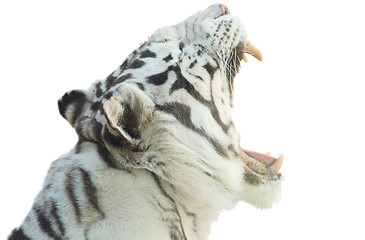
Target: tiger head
216, 32
167, 108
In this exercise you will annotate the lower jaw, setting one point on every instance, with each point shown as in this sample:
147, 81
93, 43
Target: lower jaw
262, 166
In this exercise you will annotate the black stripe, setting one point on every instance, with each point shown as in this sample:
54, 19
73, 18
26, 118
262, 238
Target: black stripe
91, 191
97, 128
70, 190
108, 95
168, 58
89, 129
111, 77
45, 224
124, 65
136, 64
160, 78
57, 218
182, 83
106, 157
182, 113
140, 86
162, 190
196, 76
95, 106
210, 69
18, 234
113, 82
148, 54
109, 160
181, 46
78, 107
193, 64
194, 218
98, 91
78, 146
109, 80
174, 230
80, 126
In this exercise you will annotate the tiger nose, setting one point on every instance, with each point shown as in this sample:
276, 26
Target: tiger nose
224, 9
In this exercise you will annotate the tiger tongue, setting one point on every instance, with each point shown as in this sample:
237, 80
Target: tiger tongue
252, 50
258, 161
269, 161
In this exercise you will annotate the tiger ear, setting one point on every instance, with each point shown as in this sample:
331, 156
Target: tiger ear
125, 115
72, 105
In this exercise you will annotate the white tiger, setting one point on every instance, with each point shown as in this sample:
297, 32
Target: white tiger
158, 155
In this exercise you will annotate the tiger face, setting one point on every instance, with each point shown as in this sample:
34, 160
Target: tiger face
167, 108
214, 32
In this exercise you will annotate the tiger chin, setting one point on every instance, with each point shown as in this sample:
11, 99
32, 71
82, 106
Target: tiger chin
158, 155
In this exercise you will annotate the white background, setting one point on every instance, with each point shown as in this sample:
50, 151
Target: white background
305, 99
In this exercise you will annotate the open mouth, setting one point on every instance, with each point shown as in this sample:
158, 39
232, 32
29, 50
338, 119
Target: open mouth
260, 168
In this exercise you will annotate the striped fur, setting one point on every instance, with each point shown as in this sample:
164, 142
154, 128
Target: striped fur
157, 156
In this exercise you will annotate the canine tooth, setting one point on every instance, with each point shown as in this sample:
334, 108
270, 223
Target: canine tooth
251, 49
277, 164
